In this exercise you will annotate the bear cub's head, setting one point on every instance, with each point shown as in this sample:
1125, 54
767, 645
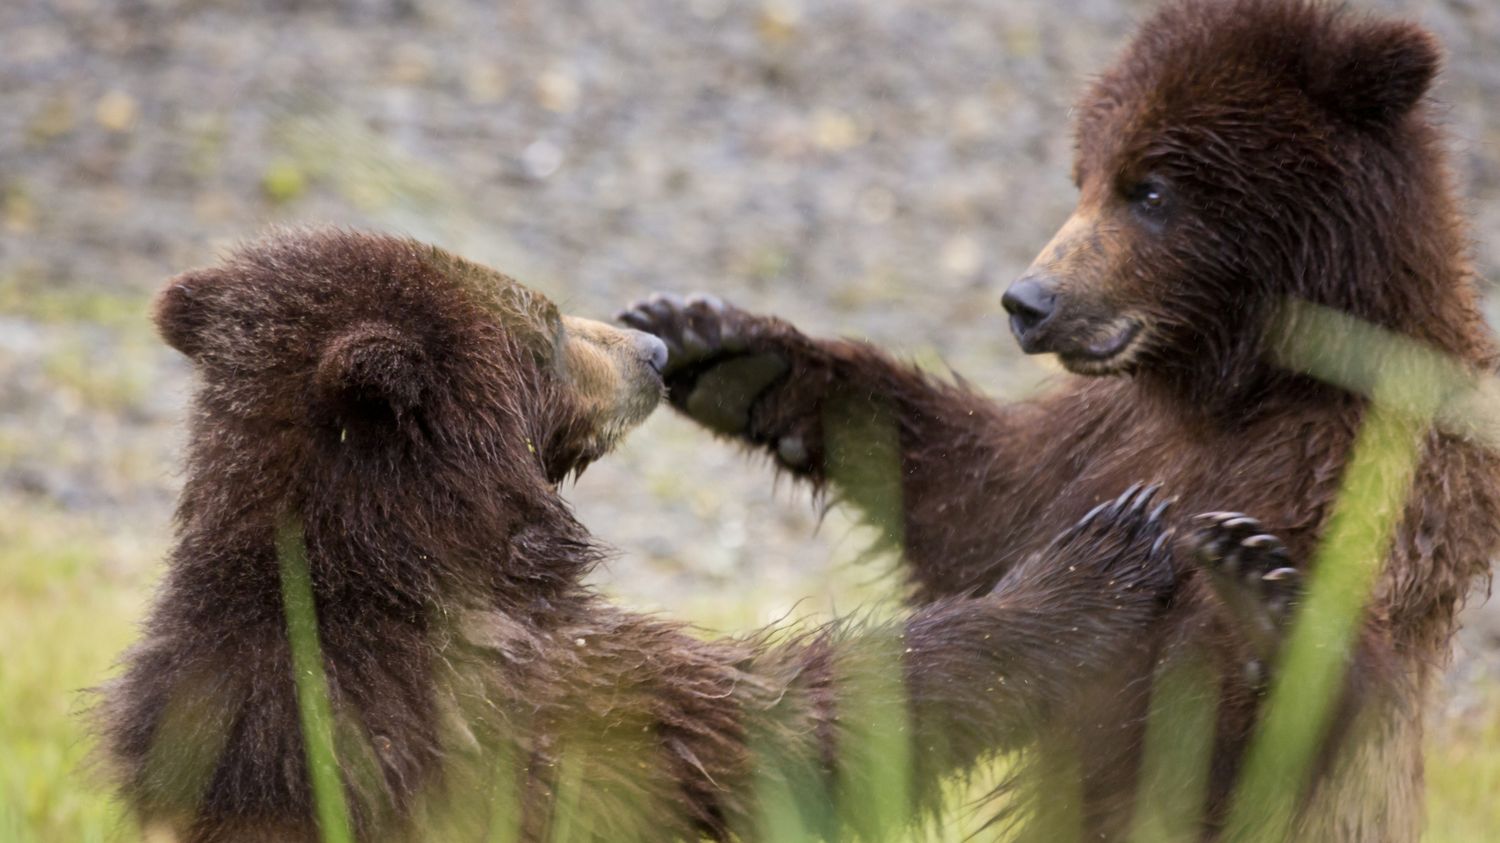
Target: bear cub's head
388, 394
1241, 152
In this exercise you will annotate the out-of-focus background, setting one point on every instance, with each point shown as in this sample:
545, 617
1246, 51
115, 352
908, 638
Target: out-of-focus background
874, 168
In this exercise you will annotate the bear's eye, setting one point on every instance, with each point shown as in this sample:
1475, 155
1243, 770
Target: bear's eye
1148, 197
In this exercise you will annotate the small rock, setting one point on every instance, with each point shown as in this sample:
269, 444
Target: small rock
541, 159
485, 82
410, 65
557, 91
835, 131
116, 111
962, 255
54, 120
778, 21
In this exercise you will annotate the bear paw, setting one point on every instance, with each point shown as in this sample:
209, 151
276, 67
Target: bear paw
1123, 545
719, 361
697, 328
1252, 573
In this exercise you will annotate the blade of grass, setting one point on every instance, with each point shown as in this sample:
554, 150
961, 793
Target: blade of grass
1312, 671
1178, 752
313, 704
1409, 385
873, 780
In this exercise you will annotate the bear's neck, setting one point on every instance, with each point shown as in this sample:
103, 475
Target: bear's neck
1373, 323
499, 553
1231, 398
375, 561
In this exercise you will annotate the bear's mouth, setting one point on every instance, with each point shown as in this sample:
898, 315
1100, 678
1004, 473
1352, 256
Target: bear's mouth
1107, 352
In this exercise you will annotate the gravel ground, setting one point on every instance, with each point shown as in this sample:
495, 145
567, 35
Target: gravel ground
878, 169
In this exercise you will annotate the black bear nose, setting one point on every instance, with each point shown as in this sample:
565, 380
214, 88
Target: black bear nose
1029, 302
652, 350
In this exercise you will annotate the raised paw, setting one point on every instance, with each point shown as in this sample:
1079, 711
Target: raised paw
695, 328
719, 361
1252, 573
1126, 543
1126, 517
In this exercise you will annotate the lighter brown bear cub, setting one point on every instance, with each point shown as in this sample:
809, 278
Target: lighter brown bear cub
1240, 155
413, 413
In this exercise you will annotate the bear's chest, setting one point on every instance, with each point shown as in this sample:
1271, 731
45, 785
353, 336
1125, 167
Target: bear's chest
1283, 471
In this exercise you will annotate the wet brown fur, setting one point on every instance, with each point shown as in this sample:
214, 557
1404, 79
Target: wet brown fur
1303, 164
412, 413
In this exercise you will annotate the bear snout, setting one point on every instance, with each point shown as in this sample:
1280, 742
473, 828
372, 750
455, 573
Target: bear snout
1030, 302
652, 350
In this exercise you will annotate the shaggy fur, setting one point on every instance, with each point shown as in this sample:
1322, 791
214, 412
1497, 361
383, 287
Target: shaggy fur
413, 414
1240, 154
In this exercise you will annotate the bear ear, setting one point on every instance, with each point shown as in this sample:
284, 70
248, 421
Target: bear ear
181, 309
1379, 72
373, 365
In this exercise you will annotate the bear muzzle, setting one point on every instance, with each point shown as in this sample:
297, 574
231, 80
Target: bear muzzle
1086, 340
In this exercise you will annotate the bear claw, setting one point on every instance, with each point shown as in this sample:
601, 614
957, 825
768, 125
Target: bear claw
696, 328
1124, 540
1251, 572
1130, 503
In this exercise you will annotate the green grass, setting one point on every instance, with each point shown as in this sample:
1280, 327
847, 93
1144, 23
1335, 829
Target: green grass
71, 592
42, 299
1463, 776
1311, 675
69, 597
312, 686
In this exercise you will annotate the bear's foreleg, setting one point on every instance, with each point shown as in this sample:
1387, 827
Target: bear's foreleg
963, 678
922, 459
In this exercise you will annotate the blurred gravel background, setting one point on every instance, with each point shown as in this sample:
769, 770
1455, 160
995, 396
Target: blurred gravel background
878, 169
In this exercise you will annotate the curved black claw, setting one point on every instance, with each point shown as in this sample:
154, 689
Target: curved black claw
1124, 543
1128, 512
1253, 575
695, 328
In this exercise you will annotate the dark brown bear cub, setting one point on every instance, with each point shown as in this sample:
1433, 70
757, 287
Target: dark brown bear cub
412, 414
1241, 155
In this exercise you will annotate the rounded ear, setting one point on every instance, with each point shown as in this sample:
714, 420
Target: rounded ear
1379, 72
181, 309
373, 363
